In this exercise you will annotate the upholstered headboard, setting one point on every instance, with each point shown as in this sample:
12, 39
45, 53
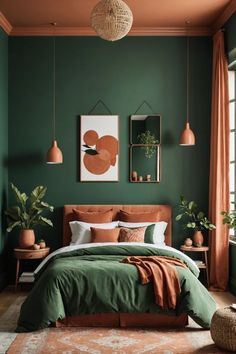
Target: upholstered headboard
164, 211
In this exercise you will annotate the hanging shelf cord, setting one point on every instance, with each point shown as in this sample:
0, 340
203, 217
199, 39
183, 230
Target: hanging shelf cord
142, 104
103, 104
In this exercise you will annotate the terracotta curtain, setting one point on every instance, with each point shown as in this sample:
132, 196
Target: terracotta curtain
219, 167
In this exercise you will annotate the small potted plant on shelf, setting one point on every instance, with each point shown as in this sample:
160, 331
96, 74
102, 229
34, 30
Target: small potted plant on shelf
27, 214
147, 138
193, 219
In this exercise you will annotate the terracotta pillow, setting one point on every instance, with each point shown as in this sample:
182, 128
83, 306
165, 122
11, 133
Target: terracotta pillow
104, 235
132, 235
99, 217
139, 217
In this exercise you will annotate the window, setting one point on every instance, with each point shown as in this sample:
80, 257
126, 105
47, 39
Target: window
232, 171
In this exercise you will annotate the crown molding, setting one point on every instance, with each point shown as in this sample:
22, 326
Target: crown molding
223, 18
88, 31
5, 24
170, 31
52, 31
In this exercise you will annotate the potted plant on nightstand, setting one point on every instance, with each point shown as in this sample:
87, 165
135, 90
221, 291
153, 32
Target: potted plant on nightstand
193, 219
27, 214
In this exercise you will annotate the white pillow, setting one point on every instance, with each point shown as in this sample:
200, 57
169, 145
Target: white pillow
159, 230
81, 232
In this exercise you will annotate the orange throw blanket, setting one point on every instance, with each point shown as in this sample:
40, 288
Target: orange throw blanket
161, 270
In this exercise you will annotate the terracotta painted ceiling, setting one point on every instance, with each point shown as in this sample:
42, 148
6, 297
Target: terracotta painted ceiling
146, 13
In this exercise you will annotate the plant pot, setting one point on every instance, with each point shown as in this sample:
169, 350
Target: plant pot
198, 238
188, 242
26, 238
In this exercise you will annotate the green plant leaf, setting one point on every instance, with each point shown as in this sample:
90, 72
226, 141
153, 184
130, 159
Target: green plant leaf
212, 226
178, 217
38, 193
17, 193
13, 213
200, 215
11, 225
46, 206
91, 152
44, 221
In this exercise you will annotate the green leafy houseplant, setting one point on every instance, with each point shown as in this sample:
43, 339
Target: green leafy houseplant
147, 138
229, 218
28, 211
191, 217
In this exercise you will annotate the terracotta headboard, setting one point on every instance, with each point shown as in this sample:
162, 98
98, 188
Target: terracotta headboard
164, 211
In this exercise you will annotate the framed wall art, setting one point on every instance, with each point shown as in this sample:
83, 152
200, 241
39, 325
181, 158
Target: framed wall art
99, 148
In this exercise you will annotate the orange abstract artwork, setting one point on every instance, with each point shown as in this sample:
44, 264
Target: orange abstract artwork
99, 152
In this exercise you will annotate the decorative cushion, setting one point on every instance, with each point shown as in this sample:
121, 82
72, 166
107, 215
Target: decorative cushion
141, 234
138, 217
104, 235
132, 235
93, 217
159, 230
81, 232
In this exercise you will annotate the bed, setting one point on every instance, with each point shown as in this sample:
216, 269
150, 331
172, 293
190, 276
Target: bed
75, 285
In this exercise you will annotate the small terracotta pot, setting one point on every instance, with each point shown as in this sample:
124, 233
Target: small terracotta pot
198, 238
26, 238
42, 244
188, 242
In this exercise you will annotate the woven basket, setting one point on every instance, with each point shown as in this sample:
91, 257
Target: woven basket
223, 328
111, 19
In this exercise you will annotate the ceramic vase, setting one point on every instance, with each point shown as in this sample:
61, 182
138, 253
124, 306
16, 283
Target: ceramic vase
198, 238
26, 238
188, 242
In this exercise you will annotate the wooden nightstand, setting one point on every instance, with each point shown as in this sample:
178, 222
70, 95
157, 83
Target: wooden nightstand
21, 254
204, 253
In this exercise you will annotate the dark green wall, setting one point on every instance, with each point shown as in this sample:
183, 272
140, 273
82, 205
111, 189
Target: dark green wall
3, 146
230, 30
230, 39
122, 74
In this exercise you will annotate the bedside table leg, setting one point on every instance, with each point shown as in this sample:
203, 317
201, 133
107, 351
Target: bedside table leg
17, 272
207, 269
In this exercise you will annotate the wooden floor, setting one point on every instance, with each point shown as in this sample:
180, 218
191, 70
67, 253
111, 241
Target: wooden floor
8, 296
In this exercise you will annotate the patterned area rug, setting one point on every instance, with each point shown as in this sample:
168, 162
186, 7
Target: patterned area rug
191, 340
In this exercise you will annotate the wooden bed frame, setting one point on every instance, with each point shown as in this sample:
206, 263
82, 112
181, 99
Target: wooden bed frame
121, 319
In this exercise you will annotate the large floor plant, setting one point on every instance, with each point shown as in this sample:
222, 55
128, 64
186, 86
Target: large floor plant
27, 213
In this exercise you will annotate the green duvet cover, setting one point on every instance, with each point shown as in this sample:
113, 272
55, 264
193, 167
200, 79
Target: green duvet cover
93, 280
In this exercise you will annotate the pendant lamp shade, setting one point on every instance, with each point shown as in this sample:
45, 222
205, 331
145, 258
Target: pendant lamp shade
111, 19
54, 154
187, 137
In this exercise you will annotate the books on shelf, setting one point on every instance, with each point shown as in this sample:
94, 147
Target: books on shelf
26, 277
199, 262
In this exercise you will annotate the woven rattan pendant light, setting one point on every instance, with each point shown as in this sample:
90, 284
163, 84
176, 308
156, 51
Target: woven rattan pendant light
111, 19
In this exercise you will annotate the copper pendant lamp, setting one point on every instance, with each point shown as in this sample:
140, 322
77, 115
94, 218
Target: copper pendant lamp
54, 154
187, 137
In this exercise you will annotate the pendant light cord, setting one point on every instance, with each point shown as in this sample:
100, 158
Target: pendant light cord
54, 89
187, 110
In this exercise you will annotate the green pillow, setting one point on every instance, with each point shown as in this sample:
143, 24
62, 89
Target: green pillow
148, 236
